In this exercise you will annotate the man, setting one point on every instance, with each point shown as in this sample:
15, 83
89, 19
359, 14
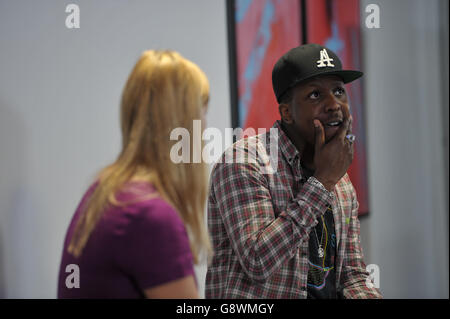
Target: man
292, 232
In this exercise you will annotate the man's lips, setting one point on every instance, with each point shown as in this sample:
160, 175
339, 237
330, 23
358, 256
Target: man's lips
332, 123
331, 127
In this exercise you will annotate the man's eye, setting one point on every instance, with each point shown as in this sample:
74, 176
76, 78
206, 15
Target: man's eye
339, 91
314, 95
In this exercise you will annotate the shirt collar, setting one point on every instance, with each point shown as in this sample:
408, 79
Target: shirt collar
285, 144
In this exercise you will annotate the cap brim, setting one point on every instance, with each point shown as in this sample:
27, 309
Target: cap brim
347, 76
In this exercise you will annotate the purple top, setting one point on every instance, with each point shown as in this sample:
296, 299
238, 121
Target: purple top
132, 248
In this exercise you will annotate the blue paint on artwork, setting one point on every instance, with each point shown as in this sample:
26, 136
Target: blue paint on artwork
241, 9
334, 43
254, 66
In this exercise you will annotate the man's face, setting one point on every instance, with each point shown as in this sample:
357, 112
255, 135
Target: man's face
323, 98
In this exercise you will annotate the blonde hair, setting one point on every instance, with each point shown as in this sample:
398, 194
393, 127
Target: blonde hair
164, 91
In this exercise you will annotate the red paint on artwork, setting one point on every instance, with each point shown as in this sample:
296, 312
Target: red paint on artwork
321, 14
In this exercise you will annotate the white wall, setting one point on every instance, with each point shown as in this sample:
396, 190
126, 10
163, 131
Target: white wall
405, 62
59, 102
59, 99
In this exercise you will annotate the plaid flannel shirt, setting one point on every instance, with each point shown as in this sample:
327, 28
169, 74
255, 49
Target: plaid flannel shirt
260, 224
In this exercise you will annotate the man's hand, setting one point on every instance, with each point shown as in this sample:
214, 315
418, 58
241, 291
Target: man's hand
332, 159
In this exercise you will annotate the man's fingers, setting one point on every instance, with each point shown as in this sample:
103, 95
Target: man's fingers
342, 132
345, 127
352, 152
319, 135
349, 130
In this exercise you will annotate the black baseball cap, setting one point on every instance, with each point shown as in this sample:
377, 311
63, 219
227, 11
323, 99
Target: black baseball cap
305, 62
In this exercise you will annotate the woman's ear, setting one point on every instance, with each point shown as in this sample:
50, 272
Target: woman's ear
285, 113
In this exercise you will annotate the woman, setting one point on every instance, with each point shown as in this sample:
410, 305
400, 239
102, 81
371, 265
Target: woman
129, 235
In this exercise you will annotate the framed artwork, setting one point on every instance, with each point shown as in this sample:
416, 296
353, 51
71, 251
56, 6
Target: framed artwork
261, 31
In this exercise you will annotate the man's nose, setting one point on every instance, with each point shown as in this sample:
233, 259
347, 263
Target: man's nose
331, 103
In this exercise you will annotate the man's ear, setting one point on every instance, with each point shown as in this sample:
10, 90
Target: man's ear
285, 113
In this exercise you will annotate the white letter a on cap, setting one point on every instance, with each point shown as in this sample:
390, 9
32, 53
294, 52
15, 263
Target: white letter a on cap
324, 58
